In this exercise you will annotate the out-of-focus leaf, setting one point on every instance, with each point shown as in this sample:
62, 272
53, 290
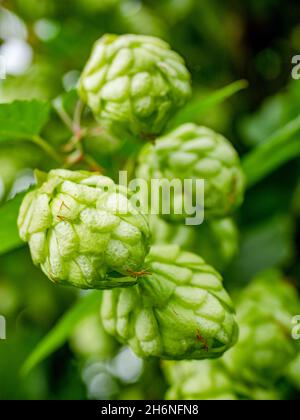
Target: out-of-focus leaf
198, 107
22, 119
277, 150
264, 246
62, 330
9, 235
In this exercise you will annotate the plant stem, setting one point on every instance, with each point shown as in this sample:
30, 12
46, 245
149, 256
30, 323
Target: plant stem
47, 148
57, 104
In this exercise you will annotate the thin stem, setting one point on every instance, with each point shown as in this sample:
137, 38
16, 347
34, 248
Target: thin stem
46, 147
77, 116
65, 117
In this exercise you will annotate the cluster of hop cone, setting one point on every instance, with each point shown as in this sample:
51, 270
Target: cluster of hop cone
163, 294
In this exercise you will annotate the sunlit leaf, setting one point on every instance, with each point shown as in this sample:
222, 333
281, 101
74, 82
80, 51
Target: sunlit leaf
9, 235
22, 119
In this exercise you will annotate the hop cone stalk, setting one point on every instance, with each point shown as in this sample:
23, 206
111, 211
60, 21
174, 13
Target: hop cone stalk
137, 82
193, 152
216, 241
265, 347
83, 231
178, 310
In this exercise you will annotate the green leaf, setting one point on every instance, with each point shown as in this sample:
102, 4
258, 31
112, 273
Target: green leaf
62, 330
198, 107
22, 119
9, 235
274, 152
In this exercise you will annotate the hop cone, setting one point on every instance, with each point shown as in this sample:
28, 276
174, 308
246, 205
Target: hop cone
82, 230
193, 152
216, 241
198, 380
209, 380
265, 347
178, 310
136, 81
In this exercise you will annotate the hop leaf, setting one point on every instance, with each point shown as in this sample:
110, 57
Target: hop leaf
83, 231
193, 152
136, 81
179, 311
265, 347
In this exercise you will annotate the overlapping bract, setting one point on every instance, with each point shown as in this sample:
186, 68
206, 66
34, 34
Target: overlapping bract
136, 81
209, 380
190, 153
83, 231
198, 380
178, 310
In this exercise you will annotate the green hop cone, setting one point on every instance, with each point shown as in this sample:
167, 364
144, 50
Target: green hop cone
216, 241
137, 82
209, 380
198, 380
178, 310
83, 231
265, 347
190, 153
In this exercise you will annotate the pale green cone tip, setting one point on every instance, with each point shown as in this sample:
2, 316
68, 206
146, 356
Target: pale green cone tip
83, 231
135, 81
178, 310
191, 152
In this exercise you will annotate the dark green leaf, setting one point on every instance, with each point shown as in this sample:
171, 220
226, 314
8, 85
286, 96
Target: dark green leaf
63, 329
22, 119
9, 235
274, 152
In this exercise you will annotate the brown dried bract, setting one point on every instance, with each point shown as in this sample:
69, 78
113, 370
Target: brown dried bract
137, 274
200, 338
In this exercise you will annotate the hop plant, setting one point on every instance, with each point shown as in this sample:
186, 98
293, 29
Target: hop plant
137, 82
216, 241
265, 346
83, 231
209, 380
193, 152
178, 309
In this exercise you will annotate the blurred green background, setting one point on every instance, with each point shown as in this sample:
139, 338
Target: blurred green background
45, 44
